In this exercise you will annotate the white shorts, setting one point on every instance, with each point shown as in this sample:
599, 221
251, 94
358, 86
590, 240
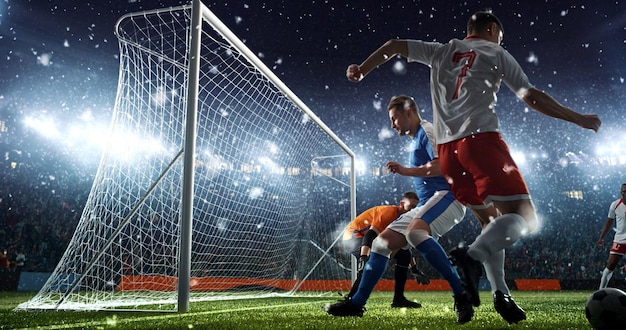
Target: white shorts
441, 212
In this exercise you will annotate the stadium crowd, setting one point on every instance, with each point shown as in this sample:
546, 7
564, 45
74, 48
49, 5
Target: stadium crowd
41, 203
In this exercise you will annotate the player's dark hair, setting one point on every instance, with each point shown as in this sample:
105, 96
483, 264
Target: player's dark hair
481, 21
401, 102
410, 195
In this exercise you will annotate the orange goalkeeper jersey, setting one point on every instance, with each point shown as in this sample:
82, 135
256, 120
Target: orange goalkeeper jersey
378, 217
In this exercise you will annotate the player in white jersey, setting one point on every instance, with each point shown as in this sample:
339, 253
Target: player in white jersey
465, 76
617, 214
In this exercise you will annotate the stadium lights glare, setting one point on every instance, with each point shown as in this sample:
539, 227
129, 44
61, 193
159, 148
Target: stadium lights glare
89, 138
612, 160
610, 148
86, 116
270, 165
44, 126
130, 146
273, 148
360, 165
159, 97
519, 158
211, 161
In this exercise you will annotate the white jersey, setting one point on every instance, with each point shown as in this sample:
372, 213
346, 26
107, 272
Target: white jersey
465, 76
617, 211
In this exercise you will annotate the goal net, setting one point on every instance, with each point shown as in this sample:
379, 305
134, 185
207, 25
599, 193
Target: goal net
271, 186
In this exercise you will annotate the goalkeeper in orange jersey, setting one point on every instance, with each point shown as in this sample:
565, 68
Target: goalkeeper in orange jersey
361, 232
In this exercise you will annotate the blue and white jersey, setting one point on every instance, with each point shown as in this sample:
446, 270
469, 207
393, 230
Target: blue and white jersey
423, 150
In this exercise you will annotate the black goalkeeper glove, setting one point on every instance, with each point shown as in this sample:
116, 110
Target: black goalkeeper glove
420, 277
362, 261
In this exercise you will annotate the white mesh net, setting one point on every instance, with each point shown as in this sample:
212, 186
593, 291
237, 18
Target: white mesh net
272, 188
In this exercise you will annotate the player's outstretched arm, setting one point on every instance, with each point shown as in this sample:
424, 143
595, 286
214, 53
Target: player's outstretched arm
427, 170
545, 104
383, 54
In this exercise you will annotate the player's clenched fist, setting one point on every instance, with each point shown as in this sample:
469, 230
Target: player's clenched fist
591, 122
353, 73
395, 167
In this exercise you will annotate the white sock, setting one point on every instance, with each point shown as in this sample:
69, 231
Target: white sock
606, 277
499, 234
494, 269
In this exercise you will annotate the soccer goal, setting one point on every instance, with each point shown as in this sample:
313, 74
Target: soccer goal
218, 181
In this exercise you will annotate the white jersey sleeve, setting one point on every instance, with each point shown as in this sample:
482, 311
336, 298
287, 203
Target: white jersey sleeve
617, 211
428, 129
612, 209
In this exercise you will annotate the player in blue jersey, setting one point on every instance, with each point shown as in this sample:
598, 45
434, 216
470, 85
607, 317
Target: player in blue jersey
437, 212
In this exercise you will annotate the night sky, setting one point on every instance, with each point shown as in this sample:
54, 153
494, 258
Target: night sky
60, 64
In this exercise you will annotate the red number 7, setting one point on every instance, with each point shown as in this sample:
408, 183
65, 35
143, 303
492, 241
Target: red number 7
471, 55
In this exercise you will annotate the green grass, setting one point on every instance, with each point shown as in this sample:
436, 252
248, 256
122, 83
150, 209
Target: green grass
545, 310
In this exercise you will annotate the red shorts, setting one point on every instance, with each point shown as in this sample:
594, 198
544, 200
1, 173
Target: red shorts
618, 248
480, 169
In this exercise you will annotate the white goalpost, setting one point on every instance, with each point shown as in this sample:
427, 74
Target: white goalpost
218, 182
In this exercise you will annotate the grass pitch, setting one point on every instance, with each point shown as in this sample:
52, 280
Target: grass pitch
545, 310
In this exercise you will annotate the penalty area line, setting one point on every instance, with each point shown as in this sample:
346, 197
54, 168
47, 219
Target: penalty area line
113, 320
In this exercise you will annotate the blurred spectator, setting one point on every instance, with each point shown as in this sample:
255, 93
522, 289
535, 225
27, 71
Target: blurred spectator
20, 259
4, 261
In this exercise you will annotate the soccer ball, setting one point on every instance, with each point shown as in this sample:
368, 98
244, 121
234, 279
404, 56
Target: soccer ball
606, 309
